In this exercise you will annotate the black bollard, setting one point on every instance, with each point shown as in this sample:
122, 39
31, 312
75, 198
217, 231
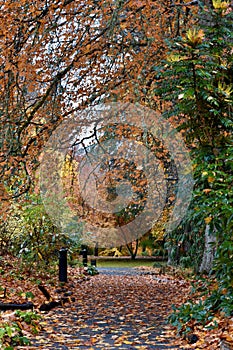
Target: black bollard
96, 249
84, 254
63, 265
93, 262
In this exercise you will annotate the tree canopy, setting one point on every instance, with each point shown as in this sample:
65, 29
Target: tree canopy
58, 57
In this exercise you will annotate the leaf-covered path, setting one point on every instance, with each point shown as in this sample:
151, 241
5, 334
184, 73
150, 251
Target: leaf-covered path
114, 311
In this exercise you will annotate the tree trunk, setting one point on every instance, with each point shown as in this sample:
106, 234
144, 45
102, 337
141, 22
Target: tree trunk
209, 249
132, 251
173, 256
169, 259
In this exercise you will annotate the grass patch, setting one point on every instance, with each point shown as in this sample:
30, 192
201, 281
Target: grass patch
125, 263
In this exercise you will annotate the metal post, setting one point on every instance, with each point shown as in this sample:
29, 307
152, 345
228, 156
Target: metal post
63, 265
84, 253
93, 262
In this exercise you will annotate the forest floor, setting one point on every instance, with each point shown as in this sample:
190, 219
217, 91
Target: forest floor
116, 309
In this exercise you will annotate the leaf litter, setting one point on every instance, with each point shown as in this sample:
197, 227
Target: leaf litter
107, 312
114, 312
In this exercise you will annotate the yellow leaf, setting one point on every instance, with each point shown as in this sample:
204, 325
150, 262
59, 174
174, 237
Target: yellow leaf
208, 219
194, 36
174, 58
211, 179
127, 342
219, 4
225, 89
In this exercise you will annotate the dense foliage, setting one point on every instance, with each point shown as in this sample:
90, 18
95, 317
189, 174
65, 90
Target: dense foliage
197, 81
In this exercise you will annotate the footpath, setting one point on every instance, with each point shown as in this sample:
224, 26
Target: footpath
117, 309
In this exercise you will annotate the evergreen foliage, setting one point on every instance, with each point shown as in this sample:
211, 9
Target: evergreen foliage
197, 82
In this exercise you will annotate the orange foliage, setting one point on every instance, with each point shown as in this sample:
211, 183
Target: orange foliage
59, 56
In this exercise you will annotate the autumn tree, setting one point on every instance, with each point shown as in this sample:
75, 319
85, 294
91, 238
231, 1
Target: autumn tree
61, 56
